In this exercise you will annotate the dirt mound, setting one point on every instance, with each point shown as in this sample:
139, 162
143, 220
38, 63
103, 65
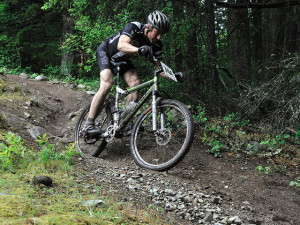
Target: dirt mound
201, 189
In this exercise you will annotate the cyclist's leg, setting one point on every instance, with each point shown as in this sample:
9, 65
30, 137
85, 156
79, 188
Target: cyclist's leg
132, 79
106, 82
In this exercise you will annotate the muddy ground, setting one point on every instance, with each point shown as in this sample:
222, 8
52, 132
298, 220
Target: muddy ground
243, 192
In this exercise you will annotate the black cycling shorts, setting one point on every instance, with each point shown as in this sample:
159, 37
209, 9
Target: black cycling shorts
104, 61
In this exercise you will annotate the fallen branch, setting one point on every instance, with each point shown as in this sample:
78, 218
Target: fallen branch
291, 130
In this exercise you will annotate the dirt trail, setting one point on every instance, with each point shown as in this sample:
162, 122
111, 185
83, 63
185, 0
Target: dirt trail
242, 192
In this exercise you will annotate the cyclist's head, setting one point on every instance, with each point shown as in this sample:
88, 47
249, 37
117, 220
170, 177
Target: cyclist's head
159, 21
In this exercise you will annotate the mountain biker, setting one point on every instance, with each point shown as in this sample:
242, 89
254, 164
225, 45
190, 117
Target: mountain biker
133, 40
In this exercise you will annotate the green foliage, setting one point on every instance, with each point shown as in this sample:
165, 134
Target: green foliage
265, 170
215, 133
295, 183
48, 151
48, 154
69, 153
214, 144
11, 152
89, 33
233, 134
199, 117
51, 72
234, 119
9, 56
29, 37
272, 143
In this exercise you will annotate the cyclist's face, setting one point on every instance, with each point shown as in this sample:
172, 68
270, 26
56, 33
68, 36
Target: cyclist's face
154, 35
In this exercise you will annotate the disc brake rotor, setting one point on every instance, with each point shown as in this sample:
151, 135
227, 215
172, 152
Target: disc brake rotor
163, 137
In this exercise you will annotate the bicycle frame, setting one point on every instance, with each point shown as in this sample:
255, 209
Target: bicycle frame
152, 90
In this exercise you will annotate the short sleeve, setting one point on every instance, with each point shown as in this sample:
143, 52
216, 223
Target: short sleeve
131, 29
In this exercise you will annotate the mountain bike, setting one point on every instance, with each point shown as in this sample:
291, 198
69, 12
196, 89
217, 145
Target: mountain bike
161, 135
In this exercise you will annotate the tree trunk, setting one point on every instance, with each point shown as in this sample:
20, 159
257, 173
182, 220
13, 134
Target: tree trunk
279, 34
178, 15
230, 23
211, 43
67, 54
292, 30
243, 42
257, 23
193, 53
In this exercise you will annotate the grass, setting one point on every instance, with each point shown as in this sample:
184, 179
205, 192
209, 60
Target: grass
64, 201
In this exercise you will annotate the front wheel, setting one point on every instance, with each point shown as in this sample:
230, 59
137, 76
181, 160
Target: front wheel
164, 148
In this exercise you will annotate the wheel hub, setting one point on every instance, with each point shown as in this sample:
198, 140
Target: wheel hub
163, 137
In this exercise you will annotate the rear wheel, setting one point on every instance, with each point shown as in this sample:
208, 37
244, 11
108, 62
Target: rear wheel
87, 145
164, 148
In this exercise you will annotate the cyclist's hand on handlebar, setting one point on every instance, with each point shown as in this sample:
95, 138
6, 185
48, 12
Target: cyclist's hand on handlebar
146, 51
180, 77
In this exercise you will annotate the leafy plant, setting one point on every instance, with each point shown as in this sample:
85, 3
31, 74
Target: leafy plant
234, 119
273, 143
69, 153
200, 115
51, 71
265, 170
49, 154
295, 183
12, 151
216, 147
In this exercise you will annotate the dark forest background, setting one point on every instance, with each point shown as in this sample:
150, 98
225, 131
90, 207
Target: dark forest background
239, 55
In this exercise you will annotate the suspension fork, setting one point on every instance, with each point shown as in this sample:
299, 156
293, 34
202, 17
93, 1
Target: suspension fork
155, 101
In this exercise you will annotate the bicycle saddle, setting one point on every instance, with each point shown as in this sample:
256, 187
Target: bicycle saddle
116, 64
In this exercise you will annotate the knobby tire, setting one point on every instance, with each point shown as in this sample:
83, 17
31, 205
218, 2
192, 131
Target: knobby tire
96, 148
166, 150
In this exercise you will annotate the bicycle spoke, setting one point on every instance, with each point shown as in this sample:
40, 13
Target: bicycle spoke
160, 149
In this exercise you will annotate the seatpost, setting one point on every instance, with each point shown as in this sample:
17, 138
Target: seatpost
118, 75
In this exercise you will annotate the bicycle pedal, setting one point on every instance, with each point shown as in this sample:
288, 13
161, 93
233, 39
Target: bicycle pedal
89, 142
90, 139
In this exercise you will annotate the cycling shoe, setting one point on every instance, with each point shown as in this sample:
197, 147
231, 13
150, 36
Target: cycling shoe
92, 130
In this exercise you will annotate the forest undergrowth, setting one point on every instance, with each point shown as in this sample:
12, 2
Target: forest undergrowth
235, 136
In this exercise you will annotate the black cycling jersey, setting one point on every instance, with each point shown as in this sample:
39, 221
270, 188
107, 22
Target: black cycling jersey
135, 31
108, 49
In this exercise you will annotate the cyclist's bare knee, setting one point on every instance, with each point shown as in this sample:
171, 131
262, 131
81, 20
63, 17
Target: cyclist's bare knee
106, 80
131, 77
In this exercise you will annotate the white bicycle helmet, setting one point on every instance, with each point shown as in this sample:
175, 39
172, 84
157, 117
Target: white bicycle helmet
159, 21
